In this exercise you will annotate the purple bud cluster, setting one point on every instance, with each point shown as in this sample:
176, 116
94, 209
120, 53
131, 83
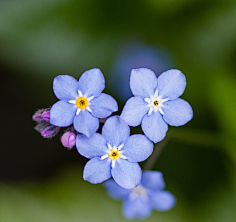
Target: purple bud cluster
47, 130
44, 127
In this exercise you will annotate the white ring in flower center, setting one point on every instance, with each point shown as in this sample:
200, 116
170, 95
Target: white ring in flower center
83, 103
155, 103
113, 154
138, 191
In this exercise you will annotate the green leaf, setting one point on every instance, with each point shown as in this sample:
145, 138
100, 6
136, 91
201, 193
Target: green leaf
222, 94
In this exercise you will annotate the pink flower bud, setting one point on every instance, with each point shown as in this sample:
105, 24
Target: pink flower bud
42, 115
46, 115
48, 131
68, 139
37, 117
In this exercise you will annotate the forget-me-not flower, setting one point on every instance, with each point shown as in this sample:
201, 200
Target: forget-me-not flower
155, 103
114, 153
141, 200
81, 102
134, 54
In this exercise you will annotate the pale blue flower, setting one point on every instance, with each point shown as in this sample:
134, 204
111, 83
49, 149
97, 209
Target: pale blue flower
155, 103
134, 54
114, 153
81, 102
141, 200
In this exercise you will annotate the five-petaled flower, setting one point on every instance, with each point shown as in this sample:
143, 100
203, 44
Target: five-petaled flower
81, 102
139, 201
155, 103
114, 153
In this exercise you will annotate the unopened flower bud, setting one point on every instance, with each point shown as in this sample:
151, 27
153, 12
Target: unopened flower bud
37, 116
42, 115
46, 115
49, 131
68, 139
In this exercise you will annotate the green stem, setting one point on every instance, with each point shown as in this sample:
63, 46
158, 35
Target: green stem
196, 137
156, 153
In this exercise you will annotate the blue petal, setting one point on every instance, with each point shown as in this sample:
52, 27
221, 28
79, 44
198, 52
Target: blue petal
115, 131
97, 170
138, 148
92, 82
85, 123
143, 82
103, 106
177, 112
154, 127
171, 84
126, 174
65, 87
62, 113
162, 200
153, 180
114, 190
91, 147
136, 208
134, 111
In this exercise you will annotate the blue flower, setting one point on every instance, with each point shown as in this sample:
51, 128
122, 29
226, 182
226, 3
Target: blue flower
81, 102
139, 201
114, 153
155, 103
135, 54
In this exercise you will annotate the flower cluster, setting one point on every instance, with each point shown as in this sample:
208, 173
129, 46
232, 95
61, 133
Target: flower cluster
114, 152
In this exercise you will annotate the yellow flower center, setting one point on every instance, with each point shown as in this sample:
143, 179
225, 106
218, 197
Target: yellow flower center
82, 102
155, 103
114, 154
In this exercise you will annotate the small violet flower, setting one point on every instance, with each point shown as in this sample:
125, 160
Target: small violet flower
68, 139
114, 153
81, 102
139, 201
155, 103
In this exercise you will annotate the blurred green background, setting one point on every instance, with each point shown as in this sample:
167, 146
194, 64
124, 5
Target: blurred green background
39, 179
